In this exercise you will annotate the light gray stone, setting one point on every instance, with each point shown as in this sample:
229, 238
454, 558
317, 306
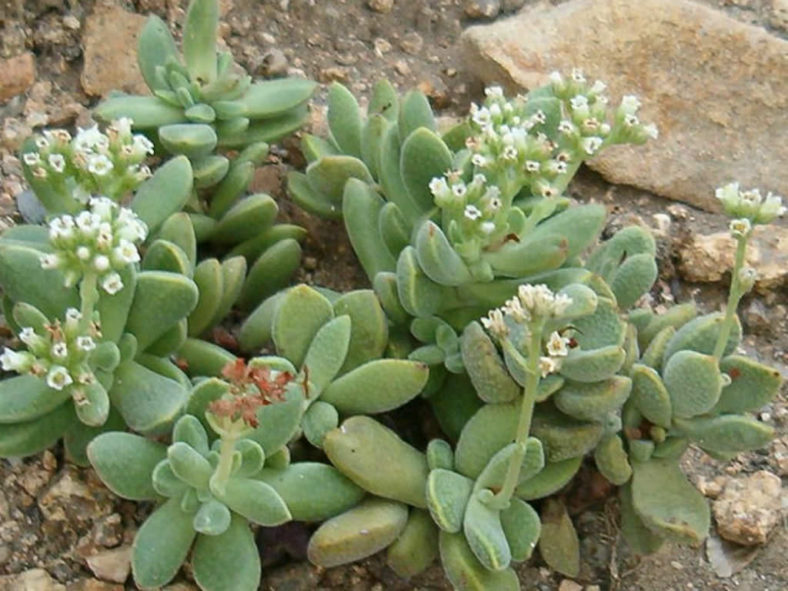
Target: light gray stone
716, 88
749, 508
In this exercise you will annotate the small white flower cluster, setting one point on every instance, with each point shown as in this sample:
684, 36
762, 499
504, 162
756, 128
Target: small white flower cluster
102, 241
58, 354
108, 163
511, 142
477, 205
588, 124
533, 302
749, 207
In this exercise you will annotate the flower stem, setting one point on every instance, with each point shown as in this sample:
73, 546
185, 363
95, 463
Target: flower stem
88, 295
225, 465
512, 477
734, 296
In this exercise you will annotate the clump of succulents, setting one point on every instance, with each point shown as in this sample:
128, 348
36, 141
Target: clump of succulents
96, 330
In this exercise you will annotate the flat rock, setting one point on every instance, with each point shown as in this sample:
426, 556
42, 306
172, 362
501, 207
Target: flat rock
716, 88
110, 51
707, 258
111, 565
749, 508
36, 579
17, 74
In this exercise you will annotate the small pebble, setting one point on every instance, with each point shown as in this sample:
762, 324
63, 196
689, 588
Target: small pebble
482, 8
381, 6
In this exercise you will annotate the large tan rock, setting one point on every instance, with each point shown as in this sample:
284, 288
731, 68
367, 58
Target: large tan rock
716, 88
17, 74
110, 50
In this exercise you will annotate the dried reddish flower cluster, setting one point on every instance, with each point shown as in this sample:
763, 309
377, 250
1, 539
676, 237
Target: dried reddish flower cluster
250, 389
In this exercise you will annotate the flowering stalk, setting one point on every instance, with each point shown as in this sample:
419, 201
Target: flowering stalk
528, 313
748, 208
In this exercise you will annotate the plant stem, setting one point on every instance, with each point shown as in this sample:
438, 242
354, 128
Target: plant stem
88, 295
226, 450
512, 477
734, 296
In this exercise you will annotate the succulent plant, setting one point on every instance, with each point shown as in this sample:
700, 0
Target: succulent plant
202, 99
690, 386
96, 355
209, 492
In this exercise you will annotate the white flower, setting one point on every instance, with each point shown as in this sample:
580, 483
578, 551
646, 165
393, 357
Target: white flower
126, 252
142, 173
509, 153
28, 336
15, 361
591, 144
57, 162
85, 344
630, 120
495, 324
88, 222
604, 129
59, 350
771, 208
31, 158
99, 165
73, 315
101, 263
740, 228
548, 365
459, 189
747, 278
488, 227
122, 126
42, 143
61, 227
494, 92
579, 102
142, 145
112, 283
532, 166
630, 104
495, 110
439, 187
50, 261
129, 227
479, 160
472, 212
566, 127
578, 76
651, 131
561, 303
40, 172
539, 300
481, 117
83, 253
598, 87
103, 207
557, 346
514, 308
58, 377
556, 78
90, 140
557, 167
539, 117
495, 204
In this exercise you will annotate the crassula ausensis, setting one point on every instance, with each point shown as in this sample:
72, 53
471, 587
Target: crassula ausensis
491, 298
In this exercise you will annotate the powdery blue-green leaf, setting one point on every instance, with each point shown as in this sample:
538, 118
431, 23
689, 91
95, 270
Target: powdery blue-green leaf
326, 353
693, 381
344, 120
30, 437
558, 543
466, 573
229, 561
485, 535
752, 384
369, 334
552, 478
199, 40
160, 301
193, 140
361, 207
312, 310
377, 386
212, 518
562, 436
125, 463
674, 509
447, 495
376, 459
272, 98
255, 500
485, 367
165, 193
522, 527
593, 402
270, 273
340, 539
490, 429
327, 494
25, 398
147, 112
416, 547
424, 156
161, 545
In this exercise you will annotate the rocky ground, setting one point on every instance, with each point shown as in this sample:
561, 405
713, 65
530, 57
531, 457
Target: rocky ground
60, 529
